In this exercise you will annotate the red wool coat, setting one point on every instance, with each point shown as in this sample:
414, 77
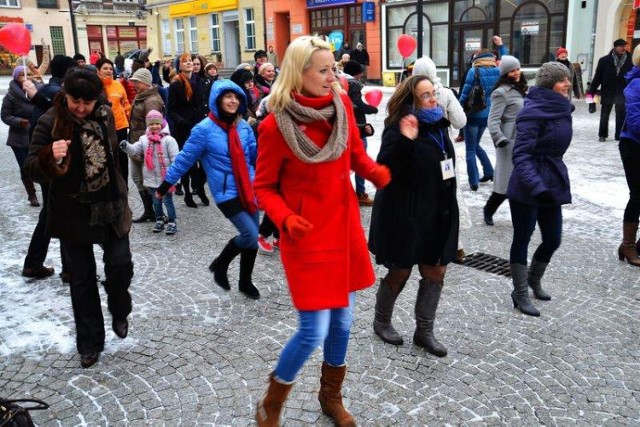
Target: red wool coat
323, 267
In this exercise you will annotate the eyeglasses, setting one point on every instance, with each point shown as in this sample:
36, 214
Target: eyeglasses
429, 96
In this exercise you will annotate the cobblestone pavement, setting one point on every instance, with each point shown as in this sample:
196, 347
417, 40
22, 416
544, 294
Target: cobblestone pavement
199, 355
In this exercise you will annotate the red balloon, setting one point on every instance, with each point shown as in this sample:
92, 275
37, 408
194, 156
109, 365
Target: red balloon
406, 45
373, 97
15, 38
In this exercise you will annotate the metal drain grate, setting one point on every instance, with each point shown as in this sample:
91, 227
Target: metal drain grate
488, 263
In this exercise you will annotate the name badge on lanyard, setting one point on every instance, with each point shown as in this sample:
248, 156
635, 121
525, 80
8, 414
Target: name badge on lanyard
446, 165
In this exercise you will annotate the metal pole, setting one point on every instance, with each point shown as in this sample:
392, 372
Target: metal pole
420, 29
74, 30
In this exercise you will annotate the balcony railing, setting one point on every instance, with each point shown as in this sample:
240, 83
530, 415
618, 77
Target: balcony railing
91, 7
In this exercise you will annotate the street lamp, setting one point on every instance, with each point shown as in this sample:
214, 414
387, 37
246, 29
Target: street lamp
74, 30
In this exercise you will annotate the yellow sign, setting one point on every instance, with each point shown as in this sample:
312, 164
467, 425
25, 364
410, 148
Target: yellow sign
201, 7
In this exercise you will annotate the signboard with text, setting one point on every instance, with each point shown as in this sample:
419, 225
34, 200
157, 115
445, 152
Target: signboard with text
368, 11
322, 3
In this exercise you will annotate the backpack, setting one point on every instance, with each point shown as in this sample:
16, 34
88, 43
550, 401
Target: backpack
476, 100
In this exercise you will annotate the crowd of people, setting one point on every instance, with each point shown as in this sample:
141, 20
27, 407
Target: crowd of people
283, 136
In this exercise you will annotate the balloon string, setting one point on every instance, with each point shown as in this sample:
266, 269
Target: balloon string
24, 65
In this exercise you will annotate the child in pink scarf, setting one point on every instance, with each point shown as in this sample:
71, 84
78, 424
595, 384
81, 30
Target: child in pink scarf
159, 149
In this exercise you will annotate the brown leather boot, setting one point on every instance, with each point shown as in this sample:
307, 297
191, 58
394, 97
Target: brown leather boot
270, 407
364, 199
330, 395
627, 249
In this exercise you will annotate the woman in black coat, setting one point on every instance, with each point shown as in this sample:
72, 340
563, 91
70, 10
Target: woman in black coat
415, 218
72, 149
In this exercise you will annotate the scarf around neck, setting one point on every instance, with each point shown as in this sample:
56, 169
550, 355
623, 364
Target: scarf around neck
431, 115
155, 144
238, 164
618, 61
302, 146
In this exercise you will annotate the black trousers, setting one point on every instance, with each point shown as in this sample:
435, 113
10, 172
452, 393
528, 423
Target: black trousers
39, 245
267, 228
630, 154
123, 160
605, 111
85, 298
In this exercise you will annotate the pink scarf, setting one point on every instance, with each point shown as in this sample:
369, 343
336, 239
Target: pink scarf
155, 140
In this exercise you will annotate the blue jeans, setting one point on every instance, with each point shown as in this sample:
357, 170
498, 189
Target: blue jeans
247, 225
524, 218
331, 326
168, 203
359, 179
472, 137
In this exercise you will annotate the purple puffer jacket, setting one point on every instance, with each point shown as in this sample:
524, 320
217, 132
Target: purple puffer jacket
544, 132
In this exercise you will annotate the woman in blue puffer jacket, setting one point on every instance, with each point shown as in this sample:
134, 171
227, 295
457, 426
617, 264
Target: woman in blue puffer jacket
539, 184
485, 64
225, 145
630, 153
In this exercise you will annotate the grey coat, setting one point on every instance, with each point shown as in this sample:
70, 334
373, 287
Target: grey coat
506, 102
153, 178
15, 108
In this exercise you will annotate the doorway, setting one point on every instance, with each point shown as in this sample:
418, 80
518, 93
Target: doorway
283, 30
231, 32
467, 40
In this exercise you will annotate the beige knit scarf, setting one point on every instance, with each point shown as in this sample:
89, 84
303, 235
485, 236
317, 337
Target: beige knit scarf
303, 147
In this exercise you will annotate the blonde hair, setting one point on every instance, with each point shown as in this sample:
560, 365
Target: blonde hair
635, 56
297, 58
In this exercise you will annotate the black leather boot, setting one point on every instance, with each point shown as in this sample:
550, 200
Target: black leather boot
426, 306
245, 284
148, 215
536, 271
220, 265
385, 301
494, 202
520, 294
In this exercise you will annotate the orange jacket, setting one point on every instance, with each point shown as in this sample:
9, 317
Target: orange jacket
332, 260
119, 103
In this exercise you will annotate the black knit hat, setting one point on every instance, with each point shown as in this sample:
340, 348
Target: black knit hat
79, 57
241, 76
60, 64
259, 54
352, 68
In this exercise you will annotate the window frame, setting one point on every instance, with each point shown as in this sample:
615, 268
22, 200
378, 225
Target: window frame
179, 32
166, 37
250, 29
215, 33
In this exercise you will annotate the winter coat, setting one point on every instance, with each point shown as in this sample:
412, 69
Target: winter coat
144, 102
43, 100
360, 56
67, 218
506, 103
489, 76
359, 107
332, 260
153, 178
209, 143
15, 108
631, 129
612, 90
120, 105
183, 114
415, 218
575, 82
544, 132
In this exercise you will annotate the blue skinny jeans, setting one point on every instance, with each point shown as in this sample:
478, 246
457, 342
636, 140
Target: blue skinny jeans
329, 326
472, 137
167, 200
247, 225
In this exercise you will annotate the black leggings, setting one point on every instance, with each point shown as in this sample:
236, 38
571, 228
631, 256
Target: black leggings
630, 154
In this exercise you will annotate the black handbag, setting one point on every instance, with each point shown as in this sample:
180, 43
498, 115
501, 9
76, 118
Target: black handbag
14, 415
476, 100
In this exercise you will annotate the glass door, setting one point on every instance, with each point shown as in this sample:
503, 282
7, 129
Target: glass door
466, 41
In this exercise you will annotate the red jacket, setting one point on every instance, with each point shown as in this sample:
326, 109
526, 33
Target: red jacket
323, 267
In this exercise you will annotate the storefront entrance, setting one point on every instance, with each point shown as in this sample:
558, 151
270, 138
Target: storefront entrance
466, 41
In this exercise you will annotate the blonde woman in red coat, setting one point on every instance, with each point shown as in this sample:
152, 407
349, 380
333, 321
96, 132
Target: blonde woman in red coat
307, 147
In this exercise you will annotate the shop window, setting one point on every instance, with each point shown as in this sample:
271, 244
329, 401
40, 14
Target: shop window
179, 35
215, 33
166, 37
324, 18
530, 28
250, 29
355, 14
57, 41
9, 3
193, 34
474, 10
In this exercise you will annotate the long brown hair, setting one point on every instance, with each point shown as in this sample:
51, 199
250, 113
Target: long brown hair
404, 100
185, 81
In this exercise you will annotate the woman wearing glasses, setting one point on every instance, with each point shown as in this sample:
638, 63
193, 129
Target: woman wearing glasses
415, 218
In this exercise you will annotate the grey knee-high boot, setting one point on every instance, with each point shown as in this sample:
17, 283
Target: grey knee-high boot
520, 294
536, 271
426, 306
385, 301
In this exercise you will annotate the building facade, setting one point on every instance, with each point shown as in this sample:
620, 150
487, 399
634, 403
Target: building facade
338, 21
227, 32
